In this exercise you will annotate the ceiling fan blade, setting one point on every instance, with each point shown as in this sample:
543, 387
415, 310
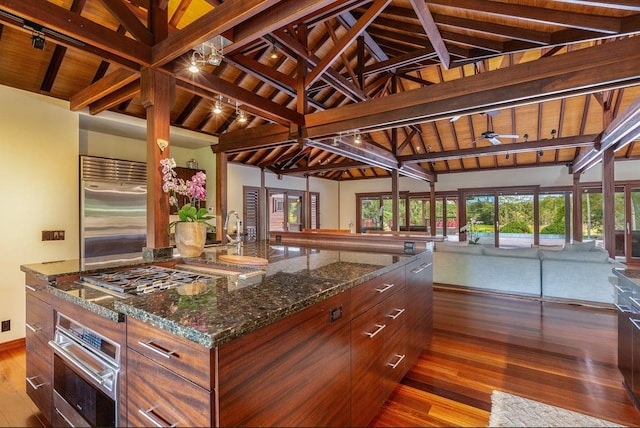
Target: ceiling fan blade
494, 141
508, 136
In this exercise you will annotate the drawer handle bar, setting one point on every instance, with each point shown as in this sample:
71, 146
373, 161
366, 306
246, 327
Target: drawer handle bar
33, 329
33, 384
30, 288
152, 347
635, 322
397, 314
66, 419
400, 358
422, 267
148, 414
385, 288
380, 328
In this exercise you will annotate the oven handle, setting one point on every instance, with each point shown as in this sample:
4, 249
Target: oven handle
77, 361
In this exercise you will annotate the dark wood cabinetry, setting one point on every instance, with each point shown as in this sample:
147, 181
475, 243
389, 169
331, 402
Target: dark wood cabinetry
375, 340
170, 379
39, 330
419, 289
294, 372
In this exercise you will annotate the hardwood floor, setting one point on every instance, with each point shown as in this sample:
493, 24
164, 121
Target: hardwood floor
555, 353
559, 354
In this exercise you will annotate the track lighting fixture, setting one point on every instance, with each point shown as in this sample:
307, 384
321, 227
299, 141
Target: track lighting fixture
274, 52
526, 137
506, 156
357, 138
540, 153
206, 53
37, 40
553, 133
217, 107
241, 116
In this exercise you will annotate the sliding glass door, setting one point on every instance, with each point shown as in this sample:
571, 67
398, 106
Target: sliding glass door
481, 215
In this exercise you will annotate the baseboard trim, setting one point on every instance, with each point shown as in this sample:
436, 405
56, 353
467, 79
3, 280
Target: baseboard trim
13, 344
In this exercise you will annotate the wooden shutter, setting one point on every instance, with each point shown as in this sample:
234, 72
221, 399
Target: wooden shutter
251, 212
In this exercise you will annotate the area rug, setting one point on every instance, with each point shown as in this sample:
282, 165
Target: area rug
512, 411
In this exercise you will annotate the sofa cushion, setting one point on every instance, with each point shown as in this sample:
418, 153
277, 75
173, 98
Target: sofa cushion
529, 253
457, 248
576, 256
580, 246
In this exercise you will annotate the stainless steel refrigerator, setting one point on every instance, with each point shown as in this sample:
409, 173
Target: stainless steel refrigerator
113, 205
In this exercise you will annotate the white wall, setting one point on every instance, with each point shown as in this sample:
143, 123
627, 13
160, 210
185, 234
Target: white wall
39, 145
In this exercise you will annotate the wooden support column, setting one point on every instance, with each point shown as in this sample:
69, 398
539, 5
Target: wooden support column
608, 201
221, 195
432, 208
263, 207
157, 91
395, 194
577, 209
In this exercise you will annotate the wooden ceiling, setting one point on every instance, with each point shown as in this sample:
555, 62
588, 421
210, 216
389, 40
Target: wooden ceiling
418, 84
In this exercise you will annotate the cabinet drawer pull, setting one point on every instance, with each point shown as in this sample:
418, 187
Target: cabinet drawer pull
33, 329
152, 418
33, 384
153, 347
417, 270
397, 314
385, 288
394, 365
30, 288
378, 330
64, 418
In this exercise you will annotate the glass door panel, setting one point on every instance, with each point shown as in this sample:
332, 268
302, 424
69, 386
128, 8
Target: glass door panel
592, 216
294, 213
515, 219
620, 216
553, 221
370, 214
419, 212
451, 217
276, 212
481, 219
634, 223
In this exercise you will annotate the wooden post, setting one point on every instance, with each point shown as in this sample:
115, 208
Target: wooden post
157, 91
577, 209
609, 202
221, 195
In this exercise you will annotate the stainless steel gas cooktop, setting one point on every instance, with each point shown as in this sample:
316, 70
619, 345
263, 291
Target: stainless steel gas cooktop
142, 280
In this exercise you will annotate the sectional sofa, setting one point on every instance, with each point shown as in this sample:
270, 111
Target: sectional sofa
579, 272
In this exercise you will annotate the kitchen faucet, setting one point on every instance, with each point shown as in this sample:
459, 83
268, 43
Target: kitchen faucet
238, 238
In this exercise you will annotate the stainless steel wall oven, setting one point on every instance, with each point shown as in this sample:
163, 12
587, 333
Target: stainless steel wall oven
86, 369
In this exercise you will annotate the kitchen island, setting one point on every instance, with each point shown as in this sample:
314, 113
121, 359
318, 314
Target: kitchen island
315, 337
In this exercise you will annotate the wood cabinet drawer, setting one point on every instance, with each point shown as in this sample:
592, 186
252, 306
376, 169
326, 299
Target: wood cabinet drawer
39, 320
158, 397
39, 376
374, 291
395, 313
186, 358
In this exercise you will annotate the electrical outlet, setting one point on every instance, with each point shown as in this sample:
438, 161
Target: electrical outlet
6, 325
53, 235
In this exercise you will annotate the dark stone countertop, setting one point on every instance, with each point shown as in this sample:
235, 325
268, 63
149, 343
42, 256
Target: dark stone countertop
216, 310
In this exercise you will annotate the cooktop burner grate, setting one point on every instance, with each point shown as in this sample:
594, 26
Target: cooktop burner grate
144, 280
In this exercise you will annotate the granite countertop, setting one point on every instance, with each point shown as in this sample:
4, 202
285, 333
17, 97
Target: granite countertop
225, 306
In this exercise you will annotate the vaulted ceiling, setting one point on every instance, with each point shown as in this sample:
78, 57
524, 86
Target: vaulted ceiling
352, 89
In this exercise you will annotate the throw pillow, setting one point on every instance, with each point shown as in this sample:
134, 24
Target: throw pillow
580, 246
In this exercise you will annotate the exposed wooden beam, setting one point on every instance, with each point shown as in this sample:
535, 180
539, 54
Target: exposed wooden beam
253, 138
431, 30
110, 83
502, 149
72, 25
623, 130
604, 24
128, 20
601, 67
352, 33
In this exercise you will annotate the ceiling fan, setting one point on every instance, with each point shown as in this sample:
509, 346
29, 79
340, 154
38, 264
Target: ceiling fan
493, 137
